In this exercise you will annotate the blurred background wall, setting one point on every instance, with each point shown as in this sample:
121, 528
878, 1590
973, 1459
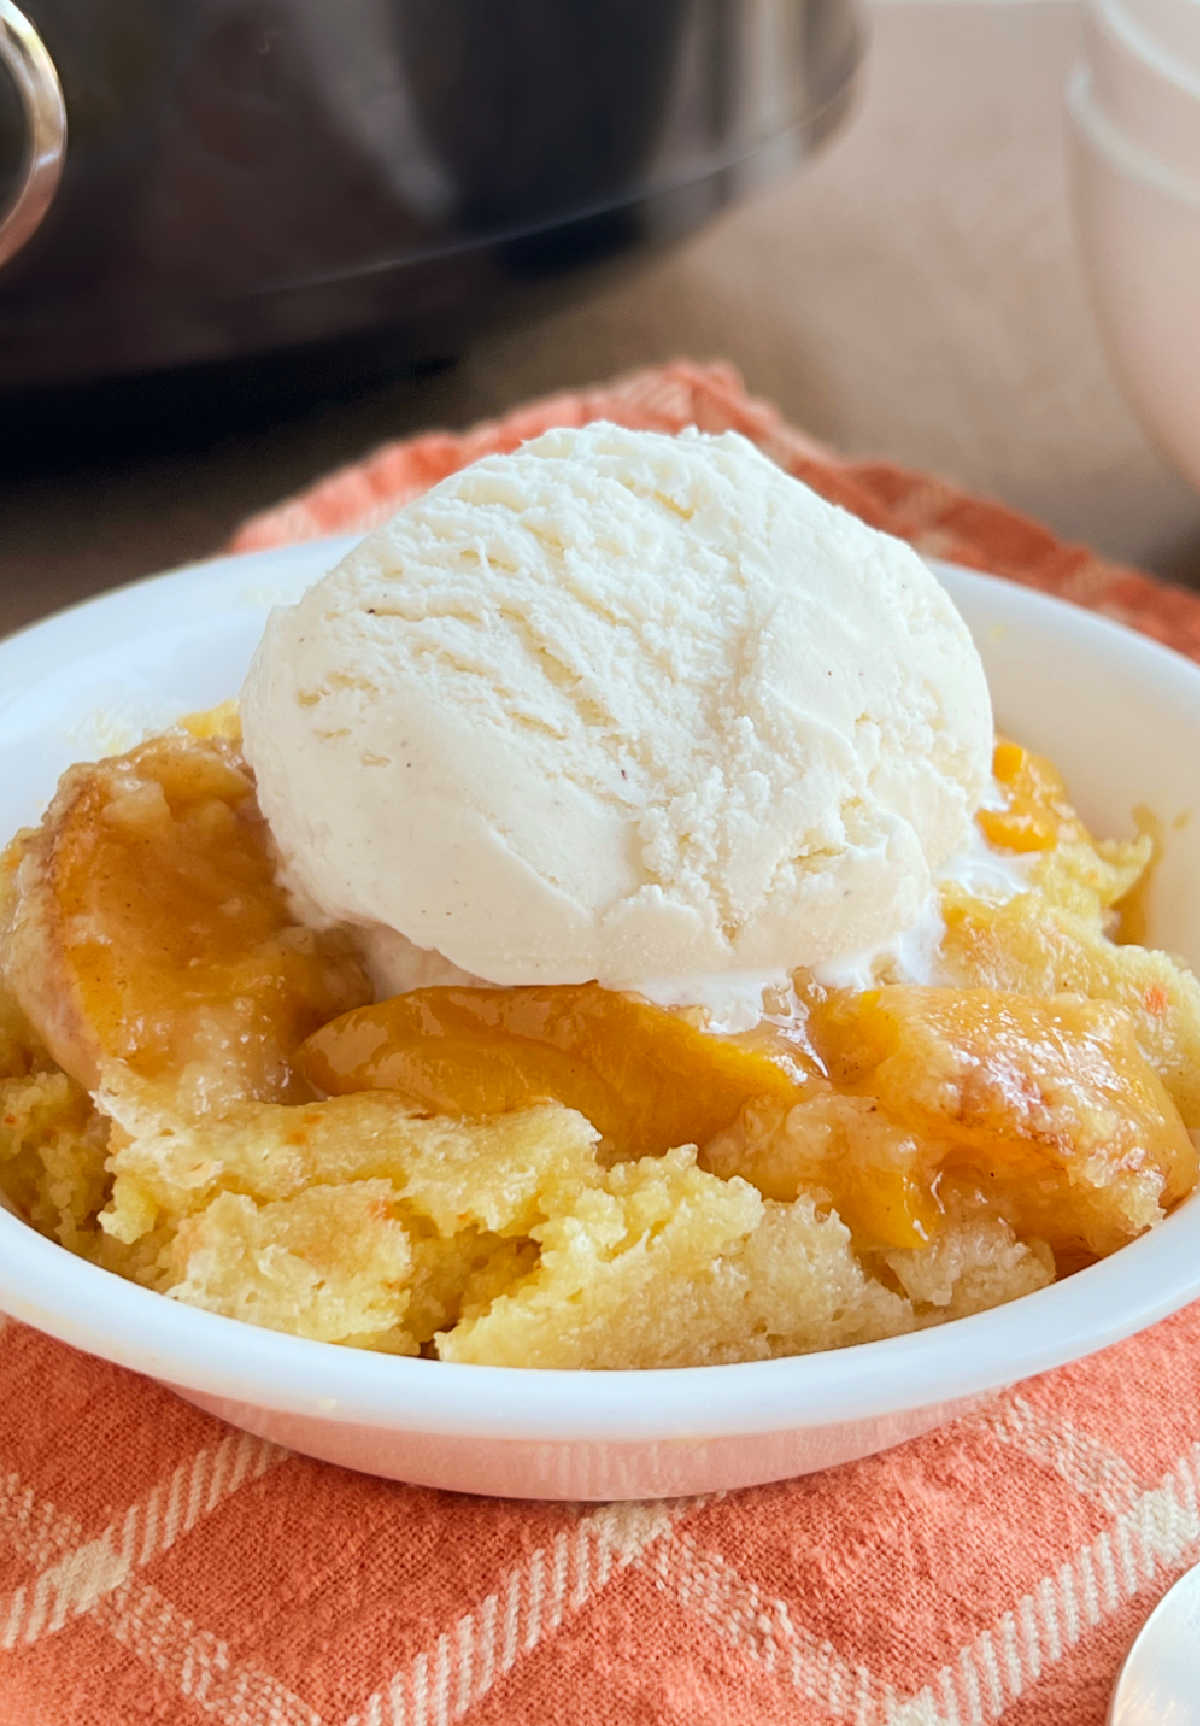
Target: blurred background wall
914, 291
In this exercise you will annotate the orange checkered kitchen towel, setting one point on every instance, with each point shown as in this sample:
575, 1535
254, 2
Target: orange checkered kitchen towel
156, 1566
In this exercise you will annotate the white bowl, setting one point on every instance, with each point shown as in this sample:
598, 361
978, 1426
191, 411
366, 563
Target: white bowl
1138, 225
1121, 716
1148, 92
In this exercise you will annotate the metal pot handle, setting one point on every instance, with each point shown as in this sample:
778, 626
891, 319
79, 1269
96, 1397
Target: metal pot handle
25, 58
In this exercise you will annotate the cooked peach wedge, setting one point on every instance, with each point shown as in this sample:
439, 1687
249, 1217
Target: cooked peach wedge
646, 1079
1045, 1106
1035, 809
146, 927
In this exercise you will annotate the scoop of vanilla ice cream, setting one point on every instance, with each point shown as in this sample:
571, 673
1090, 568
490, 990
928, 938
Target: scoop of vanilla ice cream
621, 706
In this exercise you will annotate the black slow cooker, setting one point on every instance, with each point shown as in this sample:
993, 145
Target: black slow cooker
198, 180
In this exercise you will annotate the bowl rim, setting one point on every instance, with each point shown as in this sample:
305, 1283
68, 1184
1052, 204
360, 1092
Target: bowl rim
43, 1284
1131, 160
1141, 45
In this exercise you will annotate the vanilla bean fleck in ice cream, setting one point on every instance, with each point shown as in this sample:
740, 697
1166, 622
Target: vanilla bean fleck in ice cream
620, 706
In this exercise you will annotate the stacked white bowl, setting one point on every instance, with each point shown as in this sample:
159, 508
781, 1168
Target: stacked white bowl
1134, 105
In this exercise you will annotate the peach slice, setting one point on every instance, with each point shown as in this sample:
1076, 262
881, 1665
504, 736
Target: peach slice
646, 1078
146, 926
1037, 812
1047, 1104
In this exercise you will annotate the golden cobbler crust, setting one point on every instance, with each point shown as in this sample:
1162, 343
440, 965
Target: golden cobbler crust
943, 1151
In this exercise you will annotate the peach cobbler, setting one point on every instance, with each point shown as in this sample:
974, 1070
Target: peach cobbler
212, 1104
606, 933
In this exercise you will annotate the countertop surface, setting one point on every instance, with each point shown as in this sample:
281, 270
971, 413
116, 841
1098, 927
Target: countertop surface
912, 293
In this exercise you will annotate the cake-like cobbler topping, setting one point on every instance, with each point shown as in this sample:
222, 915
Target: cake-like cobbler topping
197, 1091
